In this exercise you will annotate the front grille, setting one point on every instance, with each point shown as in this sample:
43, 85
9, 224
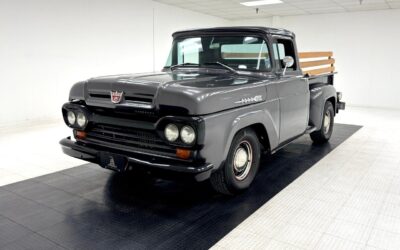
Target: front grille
139, 97
131, 113
102, 96
129, 139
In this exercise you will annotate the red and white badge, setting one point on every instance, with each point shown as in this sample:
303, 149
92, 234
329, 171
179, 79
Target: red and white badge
116, 96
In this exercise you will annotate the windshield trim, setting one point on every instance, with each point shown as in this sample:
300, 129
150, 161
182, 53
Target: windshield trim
263, 37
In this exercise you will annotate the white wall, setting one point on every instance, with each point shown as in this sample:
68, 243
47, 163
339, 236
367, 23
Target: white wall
47, 45
365, 45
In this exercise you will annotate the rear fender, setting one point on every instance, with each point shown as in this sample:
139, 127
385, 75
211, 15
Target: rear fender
319, 95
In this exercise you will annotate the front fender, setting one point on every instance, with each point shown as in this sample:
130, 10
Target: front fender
222, 127
78, 91
319, 95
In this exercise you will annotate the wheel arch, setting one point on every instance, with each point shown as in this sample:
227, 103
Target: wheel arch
319, 96
333, 101
264, 126
262, 135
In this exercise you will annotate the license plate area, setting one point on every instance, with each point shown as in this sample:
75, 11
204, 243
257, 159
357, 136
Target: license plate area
114, 162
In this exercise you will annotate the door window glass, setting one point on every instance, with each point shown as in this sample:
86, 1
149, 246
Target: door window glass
283, 48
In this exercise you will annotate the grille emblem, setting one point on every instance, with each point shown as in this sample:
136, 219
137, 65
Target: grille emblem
116, 96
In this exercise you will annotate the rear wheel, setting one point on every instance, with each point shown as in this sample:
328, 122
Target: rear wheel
241, 165
324, 134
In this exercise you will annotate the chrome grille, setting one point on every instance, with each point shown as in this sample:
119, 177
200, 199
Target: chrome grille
131, 113
129, 139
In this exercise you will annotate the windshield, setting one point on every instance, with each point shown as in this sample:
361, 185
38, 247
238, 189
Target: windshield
237, 52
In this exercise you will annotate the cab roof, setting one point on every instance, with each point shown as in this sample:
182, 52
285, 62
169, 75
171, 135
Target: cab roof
243, 29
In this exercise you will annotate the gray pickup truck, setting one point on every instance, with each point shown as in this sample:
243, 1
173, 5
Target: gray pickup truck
225, 96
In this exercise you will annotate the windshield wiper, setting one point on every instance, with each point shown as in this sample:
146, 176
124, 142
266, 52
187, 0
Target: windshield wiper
173, 67
224, 66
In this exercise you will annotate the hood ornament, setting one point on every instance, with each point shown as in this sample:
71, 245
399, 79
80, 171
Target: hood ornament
116, 96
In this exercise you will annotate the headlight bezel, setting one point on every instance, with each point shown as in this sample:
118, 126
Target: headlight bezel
197, 123
76, 109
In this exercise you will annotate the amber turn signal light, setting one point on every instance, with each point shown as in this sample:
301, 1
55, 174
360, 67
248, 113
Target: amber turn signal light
80, 134
183, 153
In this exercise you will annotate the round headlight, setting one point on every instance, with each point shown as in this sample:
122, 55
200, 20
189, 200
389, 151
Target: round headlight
188, 135
71, 118
81, 119
171, 132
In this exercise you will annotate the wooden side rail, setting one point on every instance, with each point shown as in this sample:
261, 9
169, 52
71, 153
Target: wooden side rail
317, 63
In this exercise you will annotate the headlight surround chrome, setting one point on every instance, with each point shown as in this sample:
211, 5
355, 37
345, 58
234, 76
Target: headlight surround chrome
171, 132
188, 134
76, 116
71, 118
81, 119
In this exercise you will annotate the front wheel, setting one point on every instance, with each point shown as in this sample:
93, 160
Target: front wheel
241, 165
324, 134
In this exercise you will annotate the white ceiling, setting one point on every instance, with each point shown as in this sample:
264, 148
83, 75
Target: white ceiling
232, 9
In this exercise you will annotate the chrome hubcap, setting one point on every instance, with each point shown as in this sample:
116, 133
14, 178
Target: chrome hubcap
327, 122
242, 160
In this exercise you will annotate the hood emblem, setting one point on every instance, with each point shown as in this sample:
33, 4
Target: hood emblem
116, 96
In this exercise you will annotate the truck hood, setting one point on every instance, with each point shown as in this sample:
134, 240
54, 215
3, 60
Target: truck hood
192, 93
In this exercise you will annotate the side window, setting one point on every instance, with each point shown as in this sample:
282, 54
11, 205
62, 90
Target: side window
282, 48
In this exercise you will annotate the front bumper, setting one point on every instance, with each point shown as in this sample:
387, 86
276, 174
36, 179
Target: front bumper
200, 171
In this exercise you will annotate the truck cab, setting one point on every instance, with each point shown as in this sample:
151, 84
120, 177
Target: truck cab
224, 96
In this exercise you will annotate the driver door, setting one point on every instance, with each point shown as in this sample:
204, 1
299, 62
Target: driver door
293, 93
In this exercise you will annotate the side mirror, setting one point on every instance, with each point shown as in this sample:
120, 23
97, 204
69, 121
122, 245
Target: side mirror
288, 62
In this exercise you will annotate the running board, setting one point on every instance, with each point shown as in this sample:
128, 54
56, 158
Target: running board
310, 129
